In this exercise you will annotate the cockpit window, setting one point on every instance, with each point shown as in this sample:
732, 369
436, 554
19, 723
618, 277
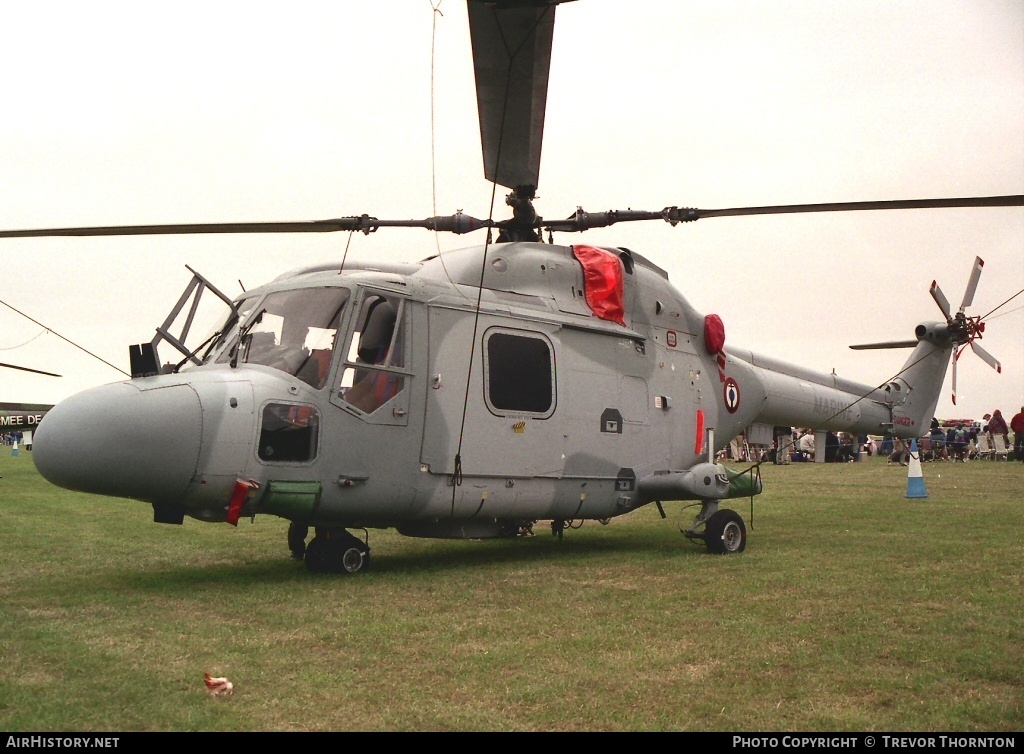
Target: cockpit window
293, 331
375, 365
223, 334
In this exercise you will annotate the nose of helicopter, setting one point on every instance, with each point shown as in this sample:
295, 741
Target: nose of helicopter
123, 441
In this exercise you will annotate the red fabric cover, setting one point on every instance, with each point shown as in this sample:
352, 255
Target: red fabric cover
602, 282
237, 501
714, 333
698, 446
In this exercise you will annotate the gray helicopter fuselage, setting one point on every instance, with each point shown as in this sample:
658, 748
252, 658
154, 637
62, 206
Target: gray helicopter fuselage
414, 397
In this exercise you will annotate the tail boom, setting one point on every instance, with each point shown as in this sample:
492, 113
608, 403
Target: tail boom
795, 396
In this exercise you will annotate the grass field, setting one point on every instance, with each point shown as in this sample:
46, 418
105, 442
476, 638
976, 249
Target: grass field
852, 609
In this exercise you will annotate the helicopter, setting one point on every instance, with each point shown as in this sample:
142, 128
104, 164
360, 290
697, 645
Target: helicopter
477, 392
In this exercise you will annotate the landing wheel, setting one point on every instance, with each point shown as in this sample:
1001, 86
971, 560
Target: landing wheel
725, 532
317, 555
353, 560
336, 551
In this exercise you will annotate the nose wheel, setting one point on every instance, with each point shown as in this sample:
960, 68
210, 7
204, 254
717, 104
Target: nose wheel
337, 551
725, 532
721, 530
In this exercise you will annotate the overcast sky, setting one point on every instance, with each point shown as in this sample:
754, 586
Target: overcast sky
118, 113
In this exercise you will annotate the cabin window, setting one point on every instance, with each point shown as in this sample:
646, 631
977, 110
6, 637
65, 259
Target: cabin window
520, 371
374, 370
289, 433
293, 331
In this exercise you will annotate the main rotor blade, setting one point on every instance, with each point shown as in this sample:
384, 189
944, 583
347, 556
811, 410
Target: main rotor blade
583, 220
318, 226
972, 284
26, 369
457, 223
941, 300
1016, 200
988, 358
886, 344
511, 60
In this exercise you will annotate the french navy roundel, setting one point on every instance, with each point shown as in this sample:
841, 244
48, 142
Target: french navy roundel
731, 391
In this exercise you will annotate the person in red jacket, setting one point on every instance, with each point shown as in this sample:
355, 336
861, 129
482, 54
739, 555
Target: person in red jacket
1017, 425
997, 426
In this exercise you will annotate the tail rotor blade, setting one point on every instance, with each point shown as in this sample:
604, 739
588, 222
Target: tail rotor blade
956, 355
940, 299
972, 284
987, 357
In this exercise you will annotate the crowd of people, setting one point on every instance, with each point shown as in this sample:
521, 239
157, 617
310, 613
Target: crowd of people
957, 440
841, 447
966, 441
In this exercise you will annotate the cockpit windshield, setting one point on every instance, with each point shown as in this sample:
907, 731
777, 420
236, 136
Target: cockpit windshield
215, 343
293, 331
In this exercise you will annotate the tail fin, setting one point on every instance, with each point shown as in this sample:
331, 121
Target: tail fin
914, 393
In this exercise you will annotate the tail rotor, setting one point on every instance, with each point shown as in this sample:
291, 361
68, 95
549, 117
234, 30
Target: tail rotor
964, 330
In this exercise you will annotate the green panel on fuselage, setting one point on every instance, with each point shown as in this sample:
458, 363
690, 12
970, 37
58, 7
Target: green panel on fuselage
291, 500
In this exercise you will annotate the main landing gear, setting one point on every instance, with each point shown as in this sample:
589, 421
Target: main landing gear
721, 530
330, 551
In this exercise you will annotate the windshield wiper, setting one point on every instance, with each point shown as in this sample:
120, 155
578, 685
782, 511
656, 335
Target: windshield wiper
244, 335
